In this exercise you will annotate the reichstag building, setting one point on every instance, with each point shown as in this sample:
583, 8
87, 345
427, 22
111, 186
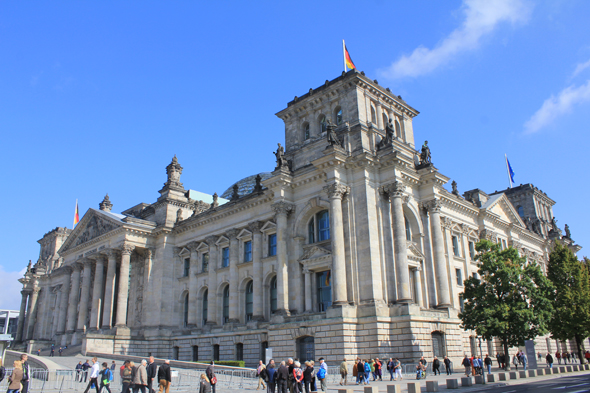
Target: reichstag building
350, 246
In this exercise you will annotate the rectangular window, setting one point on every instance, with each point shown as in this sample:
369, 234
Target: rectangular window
272, 244
459, 277
324, 281
456, 246
195, 354
187, 267
472, 250
206, 262
461, 303
239, 351
225, 257
323, 226
504, 246
216, 352
248, 251
176, 353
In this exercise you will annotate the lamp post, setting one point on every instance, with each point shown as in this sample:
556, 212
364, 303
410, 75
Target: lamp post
483, 372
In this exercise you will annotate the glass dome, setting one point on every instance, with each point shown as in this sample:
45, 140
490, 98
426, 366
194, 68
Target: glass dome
246, 185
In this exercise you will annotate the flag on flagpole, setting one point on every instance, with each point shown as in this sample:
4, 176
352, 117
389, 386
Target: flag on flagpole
510, 171
347, 59
76, 215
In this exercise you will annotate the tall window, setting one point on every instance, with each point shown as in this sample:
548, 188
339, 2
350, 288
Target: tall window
239, 351
187, 267
205, 305
323, 124
272, 244
385, 120
185, 311
225, 257
205, 262
195, 353
273, 295
338, 114
398, 129
472, 250
320, 224
216, 352
306, 131
408, 230
176, 353
248, 251
456, 246
459, 277
324, 281
373, 115
249, 301
461, 303
521, 211
226, 304
311, 231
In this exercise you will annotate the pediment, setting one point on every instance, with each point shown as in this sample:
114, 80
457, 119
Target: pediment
315, 253
92, 226
414, 253
503, 209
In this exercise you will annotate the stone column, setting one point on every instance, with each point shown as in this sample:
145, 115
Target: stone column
148, 292
109, 289
21, 316
123, 295
258, 311
73, 301
85, 297
307, 274
63, 305
97, 293
396, 192
440, 266
212, 281
31, 310
417, 285
234, 297
282, 210
339, 291
192, 286
56, 311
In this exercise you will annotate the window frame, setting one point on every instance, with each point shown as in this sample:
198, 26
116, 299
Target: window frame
204, 262
459, 276
306, 131
323, 124
249, 301
272, 246
456, 248
225, 305
224, 257
186, 267
205, 307
247, 251
273, 298
338, 115
323, 304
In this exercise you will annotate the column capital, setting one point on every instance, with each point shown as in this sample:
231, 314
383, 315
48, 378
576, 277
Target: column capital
111, 252
255, 226
283, 208
127, 249
211, 240
306, 270
192, 246
336, 190
97, 257
433, 205
149, 253
232, 234
417, 268
86, 261
176, 251
394, 190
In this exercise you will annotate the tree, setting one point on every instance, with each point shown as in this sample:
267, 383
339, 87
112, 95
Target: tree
510, 300
571, 319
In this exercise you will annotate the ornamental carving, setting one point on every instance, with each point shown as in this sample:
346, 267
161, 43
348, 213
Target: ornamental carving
106, 204
433, 205
95, 227
488, 235
149, 253
336, 190
111, 253
127, 249
173, 170
395, 189
232, 234
211, 240
192, 246
255, 226
446, 222
283, 207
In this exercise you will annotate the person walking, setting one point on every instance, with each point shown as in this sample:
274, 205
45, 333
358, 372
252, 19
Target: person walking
360, 372
367, 373
127, 377
259, 370
140, 378
106, 376
282, 377
271, 373
447, 363
488, 363
39, 352
85, 368
558, 356
378, 369
515, 362
343, 372
467, 364
524, 360
390, 368
205, 384
15, 379
24, 358
322, 374
79, 371
397, 366
297, 378
549, 360
94, 370
151, 370
307, 377
52, 351
210, 371
60, 350
436, 365
165, 377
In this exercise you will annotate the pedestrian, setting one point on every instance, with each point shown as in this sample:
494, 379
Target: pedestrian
282, 377
85, 368
314, 387
498, 360
558, 356
307, 377
52, 353
360, 372
106, 376
390, 368
140, 378
343, 372
397, 366
467, 364
549, 360
290, 379
205, 384
355, 370
424, 363
367, 372
79, 371
39, 352
436, 366
372, 364
127, 376
447, 363
322, 375
271, 373
165, 377
261, 367
568, 357
24, 358
488, 363
524, 360
515, 361
60, 350
378, 369
297, 378
503, 360
94, 370
113, 366
15, 379
210, 371
151, 370
587, 356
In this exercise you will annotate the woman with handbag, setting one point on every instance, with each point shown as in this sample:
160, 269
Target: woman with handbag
205, 384
127, 377
210, 374
16, 377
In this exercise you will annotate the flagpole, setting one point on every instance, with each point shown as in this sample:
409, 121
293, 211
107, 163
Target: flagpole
508, 170
344, 54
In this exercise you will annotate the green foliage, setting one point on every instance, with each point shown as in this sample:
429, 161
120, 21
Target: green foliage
230, 363
510, 300
571, 319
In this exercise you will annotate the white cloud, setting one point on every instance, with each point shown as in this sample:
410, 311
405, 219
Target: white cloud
481, 17
581, 67
10, 296
556, 106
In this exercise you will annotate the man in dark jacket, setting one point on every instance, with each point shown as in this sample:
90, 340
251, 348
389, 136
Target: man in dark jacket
26, 373
165, 377
282, 378
447, 363
436, 366
85, 368
271, 373
151, 374
210, 374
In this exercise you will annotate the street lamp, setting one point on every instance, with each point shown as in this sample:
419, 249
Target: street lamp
483, 372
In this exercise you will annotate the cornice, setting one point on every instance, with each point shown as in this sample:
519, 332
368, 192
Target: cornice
460, 206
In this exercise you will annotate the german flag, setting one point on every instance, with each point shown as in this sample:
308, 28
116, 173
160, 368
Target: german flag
347, 60
76, 215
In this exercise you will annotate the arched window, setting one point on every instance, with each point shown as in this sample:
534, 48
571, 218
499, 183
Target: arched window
311, 231
306, 348
216, 352
438, 344
239, 351
320, 225
226, 304
373, 115
273, 294
408, 230
398, 129
185, 311
249, 301
385, 120
323, 124
306, 134
205, 262
338, 116
205, 305
521, 211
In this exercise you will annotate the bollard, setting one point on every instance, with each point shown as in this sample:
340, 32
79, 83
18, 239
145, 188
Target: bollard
414, 387
452, 384
466, 381
394, 388
491, 378
532, 373
502, 376
522, 374
345, 391
432, 386
513, 375
371, 389
479, 379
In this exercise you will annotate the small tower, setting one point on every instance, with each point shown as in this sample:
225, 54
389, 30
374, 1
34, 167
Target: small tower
106, 204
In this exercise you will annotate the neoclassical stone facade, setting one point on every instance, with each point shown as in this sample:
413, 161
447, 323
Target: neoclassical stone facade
351, 246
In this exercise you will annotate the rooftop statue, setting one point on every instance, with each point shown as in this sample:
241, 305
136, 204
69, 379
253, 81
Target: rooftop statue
568, 234
425, 154
331, 135
280, 154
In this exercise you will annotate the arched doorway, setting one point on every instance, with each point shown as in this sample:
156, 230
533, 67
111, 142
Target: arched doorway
306, 348
438, 345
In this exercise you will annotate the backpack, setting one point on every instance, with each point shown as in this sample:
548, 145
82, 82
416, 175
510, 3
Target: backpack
367, 368
321, 373
2, 373
111, 377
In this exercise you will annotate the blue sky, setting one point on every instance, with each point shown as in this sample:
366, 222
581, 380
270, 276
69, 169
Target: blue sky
97, 97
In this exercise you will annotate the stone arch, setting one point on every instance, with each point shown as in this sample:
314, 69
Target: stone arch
313, 206
266, 294
413, 215
200, 305
242, 296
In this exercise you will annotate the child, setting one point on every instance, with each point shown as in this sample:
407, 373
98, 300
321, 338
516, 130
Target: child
106, 376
